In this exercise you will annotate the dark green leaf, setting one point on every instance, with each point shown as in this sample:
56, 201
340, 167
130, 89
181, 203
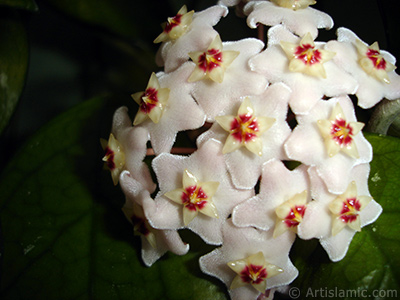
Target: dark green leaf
63, 234
126, 18
372, 263
13, 63
20, 4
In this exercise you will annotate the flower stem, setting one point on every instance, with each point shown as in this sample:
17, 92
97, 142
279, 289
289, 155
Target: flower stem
384, 115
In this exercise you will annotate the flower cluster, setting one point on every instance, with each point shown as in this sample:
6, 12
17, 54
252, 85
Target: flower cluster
235, 190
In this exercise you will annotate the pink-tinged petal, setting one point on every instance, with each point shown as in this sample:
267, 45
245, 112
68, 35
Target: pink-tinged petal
307, 90
208, 165
318, 221
173, 54
181, 113
299, 22
273, 104
240, 243
306, 138
278, 185
371, 90
232, 87
134, 141
157, 243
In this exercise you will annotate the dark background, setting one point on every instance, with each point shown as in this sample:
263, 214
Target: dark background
72, 59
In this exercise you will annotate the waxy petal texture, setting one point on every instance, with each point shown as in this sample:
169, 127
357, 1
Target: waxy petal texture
307, 90
297, 21
243, 165
240, 243
181, 113
371, 90
318, 219
306, 144
165, 240
199, 35
216, 97
208, 165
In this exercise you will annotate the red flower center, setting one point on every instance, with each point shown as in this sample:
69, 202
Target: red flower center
173, 22
109, 156
149, 100
244, 128
350, 209
194, 198
253, 274
308, 54
295, 215
210, 60
378, 61
139, 225
342, 132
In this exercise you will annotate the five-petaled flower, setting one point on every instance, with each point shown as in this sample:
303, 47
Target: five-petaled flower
212, 62
176, 26
114, 158
244, 129
346, 208
253, 270
151, 102
305, 57
338, 133
372, 62
195, 196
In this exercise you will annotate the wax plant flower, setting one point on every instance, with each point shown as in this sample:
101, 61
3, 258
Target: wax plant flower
189, 26
282, 155
250, 262
371, 67
331, 133
334, 218
196, 192
304, 66
253, 132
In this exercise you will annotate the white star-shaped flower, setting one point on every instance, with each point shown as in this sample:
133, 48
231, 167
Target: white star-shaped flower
155, 243
309, 145
180, 112
335, 218
243, 165
196, 37
244, 244
339, 134
212, 185
279, 189
126, 150
215, 97
307, 89
299, 21
372, 68
212, 63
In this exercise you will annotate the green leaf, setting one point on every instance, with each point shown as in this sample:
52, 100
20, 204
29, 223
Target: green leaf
13, 63
371, 267
20, 4
63, 233
126, 18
